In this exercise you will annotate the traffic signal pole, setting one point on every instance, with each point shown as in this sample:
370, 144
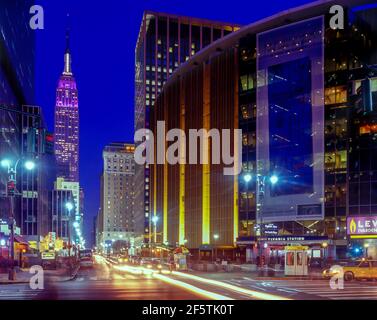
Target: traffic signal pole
12, 273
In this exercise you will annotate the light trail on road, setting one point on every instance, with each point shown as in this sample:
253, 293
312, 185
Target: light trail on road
212, 295
252, 293
181, 284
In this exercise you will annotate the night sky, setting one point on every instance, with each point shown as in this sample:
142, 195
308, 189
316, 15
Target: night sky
103, 38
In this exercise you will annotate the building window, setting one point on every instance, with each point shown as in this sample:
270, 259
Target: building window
249, 140
247, 82
368, 129
336, 95
248, 111
336, 160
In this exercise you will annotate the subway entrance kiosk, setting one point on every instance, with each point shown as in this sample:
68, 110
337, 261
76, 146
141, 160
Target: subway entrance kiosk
296, 261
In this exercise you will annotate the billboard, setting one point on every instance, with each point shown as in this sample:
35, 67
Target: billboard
290, 122
362, 227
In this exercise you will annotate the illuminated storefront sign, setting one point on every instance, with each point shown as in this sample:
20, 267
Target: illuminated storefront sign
294, 239
290, 122
362, 227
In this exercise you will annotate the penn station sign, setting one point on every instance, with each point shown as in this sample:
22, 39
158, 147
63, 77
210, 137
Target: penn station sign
362, 227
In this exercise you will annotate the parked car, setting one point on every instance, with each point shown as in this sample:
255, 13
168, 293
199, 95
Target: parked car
359, 269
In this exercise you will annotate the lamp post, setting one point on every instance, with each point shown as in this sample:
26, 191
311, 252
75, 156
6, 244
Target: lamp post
11, 193
247, 178
261, 182
155, 220
69, 207
216, 237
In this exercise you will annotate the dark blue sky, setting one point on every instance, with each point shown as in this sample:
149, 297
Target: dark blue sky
103, 39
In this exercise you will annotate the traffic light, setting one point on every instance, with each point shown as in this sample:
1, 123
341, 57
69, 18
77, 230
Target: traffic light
11, 188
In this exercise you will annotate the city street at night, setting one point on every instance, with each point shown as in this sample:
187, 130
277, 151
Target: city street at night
188, 158
105, 282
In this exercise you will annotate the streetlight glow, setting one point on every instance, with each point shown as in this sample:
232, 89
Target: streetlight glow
247, 177
29, 165
5, 163
274, 179
69, 206
155, 219
216, 237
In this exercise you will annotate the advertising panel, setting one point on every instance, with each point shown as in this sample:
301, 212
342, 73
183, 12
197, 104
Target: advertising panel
362, 227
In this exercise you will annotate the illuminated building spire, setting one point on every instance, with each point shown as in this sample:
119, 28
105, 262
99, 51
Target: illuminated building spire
67, 56
67, 129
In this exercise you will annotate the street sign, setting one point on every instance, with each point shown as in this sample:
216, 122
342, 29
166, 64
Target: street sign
48, 256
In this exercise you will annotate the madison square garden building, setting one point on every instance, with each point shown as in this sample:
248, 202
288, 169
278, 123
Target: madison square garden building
305, 97
165, 42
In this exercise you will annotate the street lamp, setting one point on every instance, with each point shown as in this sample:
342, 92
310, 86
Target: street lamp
216, 237
274, 179
247, 178
11, 193
5, 163
69, 207
29, 165
155, 220
262, 180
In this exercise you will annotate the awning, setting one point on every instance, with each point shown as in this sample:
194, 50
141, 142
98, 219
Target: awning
20, 240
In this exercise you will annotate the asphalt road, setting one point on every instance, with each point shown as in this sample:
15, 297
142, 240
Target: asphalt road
105, 283
100, 283
302, 289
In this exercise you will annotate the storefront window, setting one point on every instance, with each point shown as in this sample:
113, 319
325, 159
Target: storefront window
290, 259
299, 258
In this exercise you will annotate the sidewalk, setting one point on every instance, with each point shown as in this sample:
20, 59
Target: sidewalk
256, 275
23, 276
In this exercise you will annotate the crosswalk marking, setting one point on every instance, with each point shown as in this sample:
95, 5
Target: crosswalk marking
318, 288
26, 294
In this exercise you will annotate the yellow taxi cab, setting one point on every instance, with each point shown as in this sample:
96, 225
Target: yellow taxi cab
360, 269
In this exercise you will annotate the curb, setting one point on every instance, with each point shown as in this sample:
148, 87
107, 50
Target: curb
70, 278
15, 282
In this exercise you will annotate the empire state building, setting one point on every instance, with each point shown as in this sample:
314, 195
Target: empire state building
67, 122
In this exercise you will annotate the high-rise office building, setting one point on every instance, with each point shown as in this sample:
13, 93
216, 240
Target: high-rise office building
165, 41
116, 221
67, 122
37, 145
17, 55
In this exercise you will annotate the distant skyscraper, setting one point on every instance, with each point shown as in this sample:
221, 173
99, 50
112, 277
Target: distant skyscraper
116, 219
67, 122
